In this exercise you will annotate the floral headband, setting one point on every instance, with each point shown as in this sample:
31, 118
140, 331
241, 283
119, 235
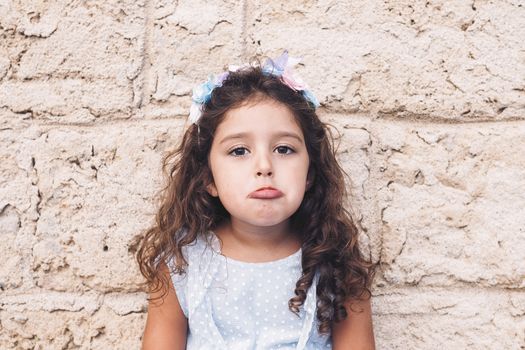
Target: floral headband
281, 67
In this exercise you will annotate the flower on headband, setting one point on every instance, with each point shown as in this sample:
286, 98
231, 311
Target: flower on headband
310, 97
202, 94
295, 83
281, 67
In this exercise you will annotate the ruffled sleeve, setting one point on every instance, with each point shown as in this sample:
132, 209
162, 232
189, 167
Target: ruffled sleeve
180, 284
310, 324
193, 290
192, 285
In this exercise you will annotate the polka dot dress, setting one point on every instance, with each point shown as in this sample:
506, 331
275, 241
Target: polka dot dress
232, 304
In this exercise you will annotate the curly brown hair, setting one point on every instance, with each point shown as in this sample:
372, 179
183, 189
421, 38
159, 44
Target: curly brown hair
328, 233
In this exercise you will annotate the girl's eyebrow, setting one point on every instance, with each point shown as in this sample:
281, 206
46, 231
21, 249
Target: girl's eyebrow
280, 134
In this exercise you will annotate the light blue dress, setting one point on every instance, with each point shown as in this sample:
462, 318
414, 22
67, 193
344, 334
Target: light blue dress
233, 305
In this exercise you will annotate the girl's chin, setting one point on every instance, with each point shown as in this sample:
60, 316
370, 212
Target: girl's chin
264, 221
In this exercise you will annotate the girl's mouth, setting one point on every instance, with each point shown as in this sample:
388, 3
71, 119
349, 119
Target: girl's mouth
266, 193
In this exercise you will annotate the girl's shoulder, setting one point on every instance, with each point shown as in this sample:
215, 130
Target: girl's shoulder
206, 245
191, 285
202, 249
198, 254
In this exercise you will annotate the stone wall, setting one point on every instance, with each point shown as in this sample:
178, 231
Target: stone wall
429, 98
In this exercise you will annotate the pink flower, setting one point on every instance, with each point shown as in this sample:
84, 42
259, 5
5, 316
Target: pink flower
293, 81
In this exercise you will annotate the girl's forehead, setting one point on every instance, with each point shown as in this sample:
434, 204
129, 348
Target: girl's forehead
260, 116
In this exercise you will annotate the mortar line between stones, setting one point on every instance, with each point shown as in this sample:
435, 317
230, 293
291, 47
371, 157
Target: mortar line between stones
350, 117
392, 291
146, 51
424, 119
244, 34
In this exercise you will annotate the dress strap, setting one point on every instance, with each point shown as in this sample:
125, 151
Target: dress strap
203, 267
310, 305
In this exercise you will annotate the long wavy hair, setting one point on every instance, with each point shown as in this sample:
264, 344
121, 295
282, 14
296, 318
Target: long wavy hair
328, 232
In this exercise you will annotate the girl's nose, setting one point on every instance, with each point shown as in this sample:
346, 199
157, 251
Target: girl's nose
263, 173
264, 166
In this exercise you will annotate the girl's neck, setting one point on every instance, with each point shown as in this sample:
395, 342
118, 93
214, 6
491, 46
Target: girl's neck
255, 243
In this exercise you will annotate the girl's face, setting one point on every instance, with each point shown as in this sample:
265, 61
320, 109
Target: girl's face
259, 163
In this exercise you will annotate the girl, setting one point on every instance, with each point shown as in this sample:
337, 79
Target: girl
252, 247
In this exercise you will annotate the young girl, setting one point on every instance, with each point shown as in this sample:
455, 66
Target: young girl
252, 247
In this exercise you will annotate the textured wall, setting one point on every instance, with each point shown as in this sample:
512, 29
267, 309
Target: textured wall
429, 97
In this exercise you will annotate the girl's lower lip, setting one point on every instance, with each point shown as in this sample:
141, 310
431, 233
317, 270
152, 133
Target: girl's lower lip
266, 194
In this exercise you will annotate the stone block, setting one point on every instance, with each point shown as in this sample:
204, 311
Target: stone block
440, 59
19, 202
60, 57
467, 318
65, 329
189, 42
449, 203
353, 143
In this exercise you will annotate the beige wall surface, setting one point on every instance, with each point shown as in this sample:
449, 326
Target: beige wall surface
429, 98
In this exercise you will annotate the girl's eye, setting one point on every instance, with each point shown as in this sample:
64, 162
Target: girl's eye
284, 150
239, 151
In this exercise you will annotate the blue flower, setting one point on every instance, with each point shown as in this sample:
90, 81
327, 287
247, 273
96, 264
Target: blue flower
311, 98
202, 92
276, 67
